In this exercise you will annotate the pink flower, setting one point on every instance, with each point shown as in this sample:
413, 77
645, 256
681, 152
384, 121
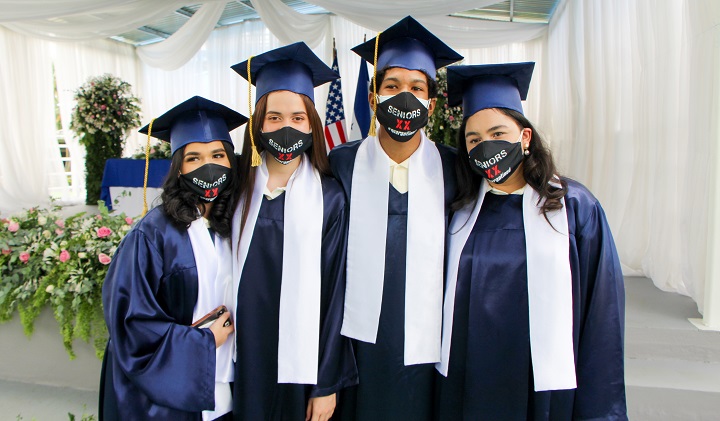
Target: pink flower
128, 220
104, 258
103, 107
98, 217
58, 231
13, 227
24, 257
6, 251
451, 118
60, 223
103, 232
64, 256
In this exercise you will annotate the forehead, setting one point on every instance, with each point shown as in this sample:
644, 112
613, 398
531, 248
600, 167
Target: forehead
200, 147
405, 75
488, 118
285, 101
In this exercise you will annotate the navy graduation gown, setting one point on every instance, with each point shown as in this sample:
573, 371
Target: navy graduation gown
257, 394
388, 389
156, 367
490, 373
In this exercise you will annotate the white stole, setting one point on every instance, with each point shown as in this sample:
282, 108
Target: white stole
299, 330
425, 247
212, 261
549, 284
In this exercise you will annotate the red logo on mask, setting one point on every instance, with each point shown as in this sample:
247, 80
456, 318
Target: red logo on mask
492, 172
399, 124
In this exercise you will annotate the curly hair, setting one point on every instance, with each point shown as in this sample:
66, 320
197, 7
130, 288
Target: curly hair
181, 205
538, 169
316, 153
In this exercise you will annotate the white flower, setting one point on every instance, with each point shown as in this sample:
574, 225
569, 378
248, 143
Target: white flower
42, 220
46, 234
82, 255
49, 288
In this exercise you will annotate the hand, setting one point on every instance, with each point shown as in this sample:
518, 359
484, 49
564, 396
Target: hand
221, 331
320, 408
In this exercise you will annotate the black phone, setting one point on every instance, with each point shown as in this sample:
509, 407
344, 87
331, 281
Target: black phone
209, 318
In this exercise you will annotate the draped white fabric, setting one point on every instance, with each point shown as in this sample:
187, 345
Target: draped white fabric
183, 44
625, 91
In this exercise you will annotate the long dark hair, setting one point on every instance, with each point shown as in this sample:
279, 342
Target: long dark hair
181, 205
317, 153
538, 169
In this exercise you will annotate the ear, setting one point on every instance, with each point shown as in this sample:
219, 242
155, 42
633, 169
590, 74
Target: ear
526, 137
431, 106
371, 100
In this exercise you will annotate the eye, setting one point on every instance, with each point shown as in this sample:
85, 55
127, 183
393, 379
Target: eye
418, 88
298, 118
390, 86
473, 140
219, 155
272, 118
495, 135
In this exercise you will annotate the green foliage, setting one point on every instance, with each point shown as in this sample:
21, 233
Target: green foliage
444, 123
159, 150
47, 260
105, 111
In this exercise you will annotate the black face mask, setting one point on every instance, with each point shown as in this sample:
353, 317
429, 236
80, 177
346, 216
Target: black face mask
496, 160
402, 115
207, 181
286, 144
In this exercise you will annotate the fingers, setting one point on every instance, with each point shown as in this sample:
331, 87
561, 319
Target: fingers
222, 328
309, 410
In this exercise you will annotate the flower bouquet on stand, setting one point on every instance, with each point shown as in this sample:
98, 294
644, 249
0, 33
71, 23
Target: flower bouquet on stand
105, 111
445, 122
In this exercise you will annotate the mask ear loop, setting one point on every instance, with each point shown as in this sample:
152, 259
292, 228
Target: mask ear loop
372, 131
256, 159
147, 168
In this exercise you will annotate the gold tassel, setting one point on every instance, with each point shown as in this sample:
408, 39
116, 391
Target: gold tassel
372, 131
256, 159
147, 168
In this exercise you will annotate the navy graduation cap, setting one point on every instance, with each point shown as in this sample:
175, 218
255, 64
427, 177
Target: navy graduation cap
293, 68
195, 120
409, 45
489, 86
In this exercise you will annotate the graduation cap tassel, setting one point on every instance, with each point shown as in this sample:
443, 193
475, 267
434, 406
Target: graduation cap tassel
256, 159
147, 168
372, 131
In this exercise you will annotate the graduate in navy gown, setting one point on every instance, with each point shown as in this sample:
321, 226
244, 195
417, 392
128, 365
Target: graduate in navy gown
400, 185
289, 242
170, 270
534, 306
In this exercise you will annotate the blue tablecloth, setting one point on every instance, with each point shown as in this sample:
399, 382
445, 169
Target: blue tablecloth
130, 173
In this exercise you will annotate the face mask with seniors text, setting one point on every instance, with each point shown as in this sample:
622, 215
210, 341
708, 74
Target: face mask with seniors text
496, 160
207, 181
286, 144
402, 115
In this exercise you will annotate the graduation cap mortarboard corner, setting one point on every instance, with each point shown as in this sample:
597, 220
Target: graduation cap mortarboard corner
293, 68
489, 86
195, 120
409, 45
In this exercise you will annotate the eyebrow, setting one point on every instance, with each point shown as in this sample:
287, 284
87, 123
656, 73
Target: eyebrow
279, 113
396, 80
192, 153
491, 129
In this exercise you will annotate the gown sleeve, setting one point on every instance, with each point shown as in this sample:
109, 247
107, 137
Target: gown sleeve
337, 368
600, 394
173, 364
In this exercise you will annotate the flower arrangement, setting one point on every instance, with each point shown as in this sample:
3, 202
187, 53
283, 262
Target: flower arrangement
157, 151
49, 260
445, 122
105, 111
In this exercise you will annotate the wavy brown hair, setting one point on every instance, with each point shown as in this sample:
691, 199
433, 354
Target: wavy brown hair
181, 205
538, 169
317, 153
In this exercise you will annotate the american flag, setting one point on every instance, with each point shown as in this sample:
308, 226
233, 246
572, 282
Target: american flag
335, 132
